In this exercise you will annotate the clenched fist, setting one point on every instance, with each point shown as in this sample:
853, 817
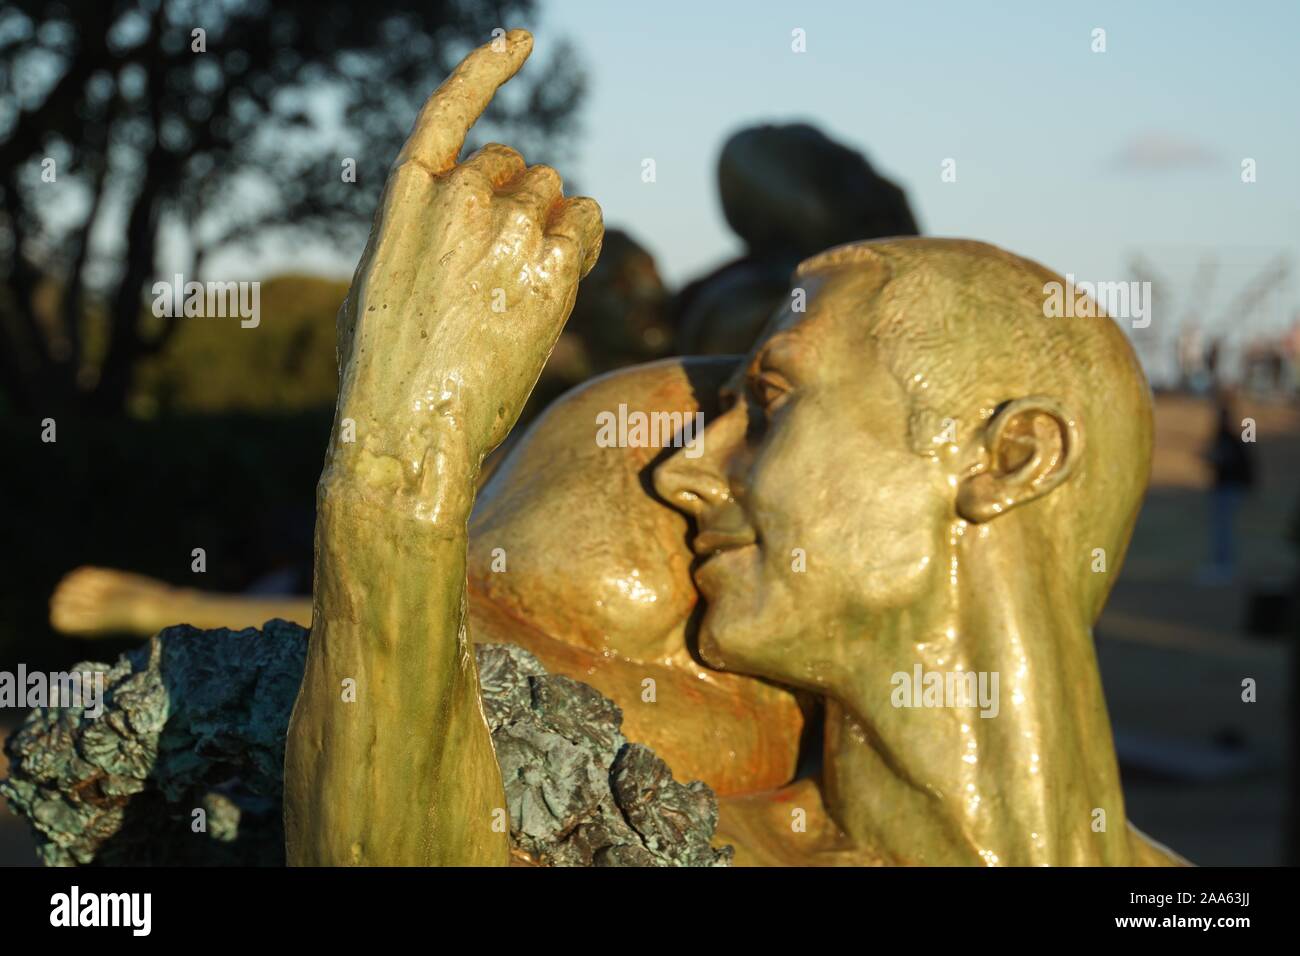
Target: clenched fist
468, 277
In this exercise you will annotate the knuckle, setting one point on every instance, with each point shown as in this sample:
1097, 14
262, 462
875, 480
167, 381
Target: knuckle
502, 151
468, 181
560, 252
495, 155
578, 217
523, 219
546, 178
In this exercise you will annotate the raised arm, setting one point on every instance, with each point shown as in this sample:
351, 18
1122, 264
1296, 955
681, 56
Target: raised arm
465, 284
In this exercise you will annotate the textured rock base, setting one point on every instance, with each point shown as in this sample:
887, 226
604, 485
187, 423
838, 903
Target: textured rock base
184, 766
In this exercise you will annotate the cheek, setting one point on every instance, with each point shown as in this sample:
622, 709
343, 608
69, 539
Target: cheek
900, 567
904, 527
870, 521
793, 484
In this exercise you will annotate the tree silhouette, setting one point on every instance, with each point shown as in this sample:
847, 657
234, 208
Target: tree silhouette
130, 128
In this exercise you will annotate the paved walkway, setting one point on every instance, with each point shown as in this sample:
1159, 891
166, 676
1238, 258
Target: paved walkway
1174, 653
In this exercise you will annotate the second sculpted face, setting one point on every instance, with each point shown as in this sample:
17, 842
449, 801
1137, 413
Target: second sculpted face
817, 523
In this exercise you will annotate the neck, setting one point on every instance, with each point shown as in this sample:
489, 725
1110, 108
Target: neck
944, 785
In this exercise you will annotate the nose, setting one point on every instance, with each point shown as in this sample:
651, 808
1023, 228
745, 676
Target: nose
697, 485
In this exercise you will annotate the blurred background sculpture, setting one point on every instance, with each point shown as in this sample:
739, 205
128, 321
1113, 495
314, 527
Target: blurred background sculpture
788, 192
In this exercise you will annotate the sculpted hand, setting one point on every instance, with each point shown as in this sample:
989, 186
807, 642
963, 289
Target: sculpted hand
469, 275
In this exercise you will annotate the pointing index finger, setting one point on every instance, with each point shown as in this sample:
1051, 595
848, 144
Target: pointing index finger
440, 129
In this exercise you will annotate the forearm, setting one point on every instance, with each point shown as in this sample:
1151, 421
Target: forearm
397, 766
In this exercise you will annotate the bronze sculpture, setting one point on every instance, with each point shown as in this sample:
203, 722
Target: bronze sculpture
913, 468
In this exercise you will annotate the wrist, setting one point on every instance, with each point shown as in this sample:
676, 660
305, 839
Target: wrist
434, 491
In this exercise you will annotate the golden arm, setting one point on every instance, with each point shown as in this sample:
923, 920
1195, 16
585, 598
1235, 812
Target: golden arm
389, 760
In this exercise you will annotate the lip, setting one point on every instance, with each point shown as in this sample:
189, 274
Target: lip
709, 543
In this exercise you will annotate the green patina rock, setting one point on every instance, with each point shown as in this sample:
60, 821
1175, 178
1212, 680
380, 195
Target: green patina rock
578, 793
196, 720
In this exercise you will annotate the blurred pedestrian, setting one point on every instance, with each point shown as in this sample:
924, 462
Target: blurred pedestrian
1234, 475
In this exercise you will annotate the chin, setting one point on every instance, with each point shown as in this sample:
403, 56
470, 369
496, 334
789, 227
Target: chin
709, 650
736, 622
722, 635
734, 642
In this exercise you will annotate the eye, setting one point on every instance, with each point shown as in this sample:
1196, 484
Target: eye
770, 389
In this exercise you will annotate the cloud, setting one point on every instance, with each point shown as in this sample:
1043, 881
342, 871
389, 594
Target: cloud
1155, 151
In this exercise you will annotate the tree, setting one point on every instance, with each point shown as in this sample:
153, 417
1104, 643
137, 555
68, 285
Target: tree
130, 128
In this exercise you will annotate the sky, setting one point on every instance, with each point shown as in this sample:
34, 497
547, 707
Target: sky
1078, 159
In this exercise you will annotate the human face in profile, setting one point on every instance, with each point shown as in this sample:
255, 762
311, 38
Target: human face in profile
816, 522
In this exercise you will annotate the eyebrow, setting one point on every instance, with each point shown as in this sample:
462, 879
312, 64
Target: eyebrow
778, 343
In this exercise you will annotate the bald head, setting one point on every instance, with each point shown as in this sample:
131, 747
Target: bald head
963, 329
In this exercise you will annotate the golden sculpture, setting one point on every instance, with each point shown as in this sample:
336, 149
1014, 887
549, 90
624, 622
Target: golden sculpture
910, 475
947, 461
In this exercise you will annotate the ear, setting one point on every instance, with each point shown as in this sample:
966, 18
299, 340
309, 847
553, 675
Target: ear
1030, 446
